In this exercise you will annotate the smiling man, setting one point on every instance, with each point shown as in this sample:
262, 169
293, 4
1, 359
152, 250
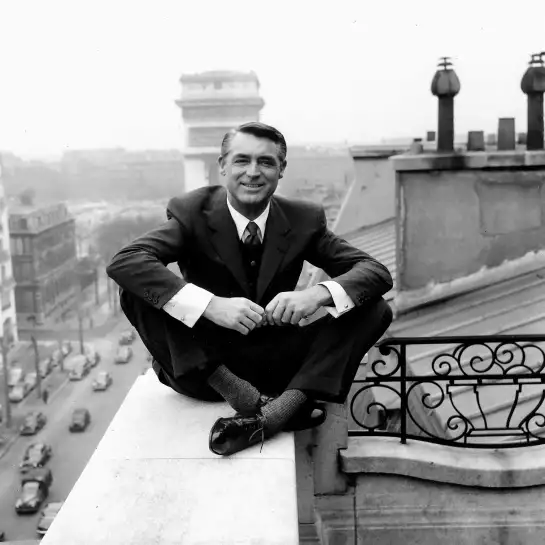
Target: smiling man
230, 329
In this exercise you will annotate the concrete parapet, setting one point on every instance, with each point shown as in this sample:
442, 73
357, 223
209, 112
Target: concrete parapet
152, 479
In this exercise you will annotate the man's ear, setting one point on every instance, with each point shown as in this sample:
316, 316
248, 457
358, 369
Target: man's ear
282, 168
221, 164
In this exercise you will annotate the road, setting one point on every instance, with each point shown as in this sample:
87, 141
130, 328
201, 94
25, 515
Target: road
71, 451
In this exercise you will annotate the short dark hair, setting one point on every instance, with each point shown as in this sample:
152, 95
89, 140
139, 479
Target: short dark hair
260, 130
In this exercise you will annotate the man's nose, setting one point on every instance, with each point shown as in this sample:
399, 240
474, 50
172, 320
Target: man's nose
252, 169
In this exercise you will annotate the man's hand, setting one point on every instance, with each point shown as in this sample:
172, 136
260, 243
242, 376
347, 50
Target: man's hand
291, 307
236, 313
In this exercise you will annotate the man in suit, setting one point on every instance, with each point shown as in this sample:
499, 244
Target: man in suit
231, 327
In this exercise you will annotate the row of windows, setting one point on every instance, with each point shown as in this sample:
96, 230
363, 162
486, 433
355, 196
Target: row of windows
24, 245
27, 299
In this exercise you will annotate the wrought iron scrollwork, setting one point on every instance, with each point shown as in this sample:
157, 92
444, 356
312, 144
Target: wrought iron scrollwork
479, 391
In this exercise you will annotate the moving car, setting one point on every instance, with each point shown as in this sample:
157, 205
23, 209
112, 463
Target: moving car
35, 489
93, 357
102, 381
34, 421
36, 455
81, 418
18, 392
45, 367
124, 354
127, 337
48, 514
79, 367
16, 375
31, 380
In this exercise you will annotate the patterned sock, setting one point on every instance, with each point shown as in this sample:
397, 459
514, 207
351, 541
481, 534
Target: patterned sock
239, 393
281, 409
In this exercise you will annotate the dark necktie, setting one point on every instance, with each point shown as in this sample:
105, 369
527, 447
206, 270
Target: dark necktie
252, 240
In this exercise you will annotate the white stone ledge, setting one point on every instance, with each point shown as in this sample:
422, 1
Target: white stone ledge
494, 468
153, 479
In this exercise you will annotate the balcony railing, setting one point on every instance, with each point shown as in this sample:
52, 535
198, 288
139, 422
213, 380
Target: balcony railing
470, 391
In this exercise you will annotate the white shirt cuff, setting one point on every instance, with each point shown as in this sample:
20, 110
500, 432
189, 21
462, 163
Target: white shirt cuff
188, 304
341, 300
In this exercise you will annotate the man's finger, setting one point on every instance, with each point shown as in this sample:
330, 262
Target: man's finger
256, 308
247, 322
278, 313
254, 316
286, 316
296, 317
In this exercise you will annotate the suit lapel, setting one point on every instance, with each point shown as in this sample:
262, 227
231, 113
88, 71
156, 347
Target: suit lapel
224, 238
275, 245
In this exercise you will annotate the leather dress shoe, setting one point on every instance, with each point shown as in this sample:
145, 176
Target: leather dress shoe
233, 434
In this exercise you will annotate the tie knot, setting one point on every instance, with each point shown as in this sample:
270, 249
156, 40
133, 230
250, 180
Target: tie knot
252, 228
252, 237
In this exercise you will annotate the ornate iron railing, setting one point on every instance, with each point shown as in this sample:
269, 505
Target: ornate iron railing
471, 391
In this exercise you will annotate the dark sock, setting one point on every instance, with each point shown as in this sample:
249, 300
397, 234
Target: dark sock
239, 393
280, 410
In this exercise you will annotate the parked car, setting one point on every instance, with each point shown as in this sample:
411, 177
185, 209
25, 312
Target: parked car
78, 366
127, 337
102, 381
34, 421
34, 491
124, 354
2, 535
18, 392
47, 516
16, 375
36, 455
92, 355
31, 379
81, 418
45, 367
66, 347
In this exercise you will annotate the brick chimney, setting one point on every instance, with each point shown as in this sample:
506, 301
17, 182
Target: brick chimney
445, 86
533, 84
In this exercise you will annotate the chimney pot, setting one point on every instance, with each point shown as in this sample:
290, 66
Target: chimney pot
533, 85
475, 141
506, 133
445, 86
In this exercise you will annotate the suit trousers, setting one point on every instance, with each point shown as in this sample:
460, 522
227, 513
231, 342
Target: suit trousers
320, 359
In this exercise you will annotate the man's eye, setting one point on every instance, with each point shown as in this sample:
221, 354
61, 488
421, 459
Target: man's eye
240, 161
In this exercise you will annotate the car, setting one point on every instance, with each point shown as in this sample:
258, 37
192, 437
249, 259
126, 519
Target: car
34, 421
31, 379
124, 354
18, 392
2, 535
45, 367
81, 418
102, 381
35, 489
93, 357
66, 347
16, 375
78, 366
49, 512
127, 337
36, 455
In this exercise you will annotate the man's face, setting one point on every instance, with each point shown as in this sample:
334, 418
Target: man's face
252, 168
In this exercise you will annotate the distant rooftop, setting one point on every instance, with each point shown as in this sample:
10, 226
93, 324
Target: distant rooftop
219, 75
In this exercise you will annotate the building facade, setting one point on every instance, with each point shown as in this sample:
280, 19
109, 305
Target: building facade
212, 103
8, 317
43, 249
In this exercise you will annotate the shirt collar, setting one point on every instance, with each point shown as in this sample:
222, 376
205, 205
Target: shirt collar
241, 221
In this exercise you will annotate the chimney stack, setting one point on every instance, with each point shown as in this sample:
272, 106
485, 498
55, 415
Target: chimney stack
445, 86
506, 133
533, 84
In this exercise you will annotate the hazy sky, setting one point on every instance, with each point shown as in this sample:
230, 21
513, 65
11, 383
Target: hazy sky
81, 74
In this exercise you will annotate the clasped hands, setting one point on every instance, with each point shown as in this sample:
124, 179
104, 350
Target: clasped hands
286, 308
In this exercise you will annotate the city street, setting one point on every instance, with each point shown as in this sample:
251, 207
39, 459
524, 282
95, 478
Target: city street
71, 451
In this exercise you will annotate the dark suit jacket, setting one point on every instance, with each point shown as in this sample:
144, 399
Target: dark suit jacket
200, 235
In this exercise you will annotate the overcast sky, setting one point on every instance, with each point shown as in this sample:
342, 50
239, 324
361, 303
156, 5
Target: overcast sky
85, 74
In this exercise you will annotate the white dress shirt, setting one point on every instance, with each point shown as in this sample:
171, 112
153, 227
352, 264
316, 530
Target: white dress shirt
188, 304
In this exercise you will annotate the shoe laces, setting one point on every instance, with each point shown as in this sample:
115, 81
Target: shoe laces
261, 430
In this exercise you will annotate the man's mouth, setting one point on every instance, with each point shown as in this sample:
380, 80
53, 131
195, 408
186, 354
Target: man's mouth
251, 186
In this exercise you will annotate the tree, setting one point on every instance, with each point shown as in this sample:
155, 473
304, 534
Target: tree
112, 236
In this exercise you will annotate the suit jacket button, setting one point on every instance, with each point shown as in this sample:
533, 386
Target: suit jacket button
146, 294
253, 263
